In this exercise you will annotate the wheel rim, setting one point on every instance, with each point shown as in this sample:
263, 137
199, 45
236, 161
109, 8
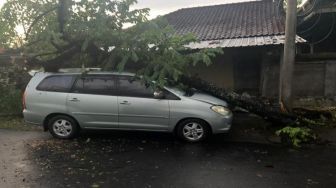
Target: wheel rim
193, 131
62, 128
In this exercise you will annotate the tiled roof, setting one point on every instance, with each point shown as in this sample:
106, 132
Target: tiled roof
230, 21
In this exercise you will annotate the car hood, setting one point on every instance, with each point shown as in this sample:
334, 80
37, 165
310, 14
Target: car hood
199, 96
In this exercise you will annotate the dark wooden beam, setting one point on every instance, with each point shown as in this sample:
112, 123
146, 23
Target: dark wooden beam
316, 56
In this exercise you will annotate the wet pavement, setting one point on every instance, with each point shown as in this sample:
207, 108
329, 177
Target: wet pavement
137, 159
16, 168
140, 159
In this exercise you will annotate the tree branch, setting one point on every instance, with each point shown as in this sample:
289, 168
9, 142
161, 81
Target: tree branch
45, 54
37, 19
54, 64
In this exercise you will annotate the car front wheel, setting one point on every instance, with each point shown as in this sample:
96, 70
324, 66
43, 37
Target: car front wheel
193, 130
63, 127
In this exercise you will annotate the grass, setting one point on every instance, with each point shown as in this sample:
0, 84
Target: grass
16, 123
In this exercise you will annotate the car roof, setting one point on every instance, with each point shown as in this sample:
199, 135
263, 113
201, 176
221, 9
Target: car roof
90, 73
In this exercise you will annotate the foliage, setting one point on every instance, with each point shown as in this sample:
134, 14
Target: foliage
69, 33
10, 101
13, 80
296, 136
16, 16
165, 54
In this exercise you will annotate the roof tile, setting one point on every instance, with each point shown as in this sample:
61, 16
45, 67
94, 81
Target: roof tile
228, 21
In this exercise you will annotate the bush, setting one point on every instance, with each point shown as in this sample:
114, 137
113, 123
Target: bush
10, 100
13, 79
296, 136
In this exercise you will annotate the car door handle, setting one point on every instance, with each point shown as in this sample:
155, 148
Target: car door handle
125, 103
74, 100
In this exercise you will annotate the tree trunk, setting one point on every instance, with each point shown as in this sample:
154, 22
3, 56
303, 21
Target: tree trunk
63, 13
287, 66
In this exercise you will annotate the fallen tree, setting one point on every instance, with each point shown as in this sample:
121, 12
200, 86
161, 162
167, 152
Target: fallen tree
264, 108
62, 34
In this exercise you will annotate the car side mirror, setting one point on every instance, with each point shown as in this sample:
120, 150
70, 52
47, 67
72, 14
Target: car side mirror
159, 95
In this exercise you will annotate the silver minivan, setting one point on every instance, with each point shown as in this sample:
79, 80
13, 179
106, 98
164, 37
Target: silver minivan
65, 103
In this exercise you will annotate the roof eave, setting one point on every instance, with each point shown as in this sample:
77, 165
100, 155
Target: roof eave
243, 42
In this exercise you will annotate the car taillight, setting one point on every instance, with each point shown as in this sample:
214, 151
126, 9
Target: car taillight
24, 100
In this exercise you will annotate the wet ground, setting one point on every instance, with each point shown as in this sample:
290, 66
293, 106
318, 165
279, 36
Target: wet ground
129, 159
16, 167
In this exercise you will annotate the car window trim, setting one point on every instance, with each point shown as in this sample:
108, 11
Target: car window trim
50, 76
96, 76
118, 77
115, 78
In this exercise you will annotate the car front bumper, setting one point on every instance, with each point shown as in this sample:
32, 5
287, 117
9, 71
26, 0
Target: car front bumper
221, 124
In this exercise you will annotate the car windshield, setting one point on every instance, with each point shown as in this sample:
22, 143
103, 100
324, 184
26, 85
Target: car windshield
182, 92
187, 93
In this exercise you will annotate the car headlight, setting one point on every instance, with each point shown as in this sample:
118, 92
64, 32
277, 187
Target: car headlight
221, 110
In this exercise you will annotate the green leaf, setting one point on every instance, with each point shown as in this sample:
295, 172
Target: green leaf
135, 57
206, 60
121, 65
85, 45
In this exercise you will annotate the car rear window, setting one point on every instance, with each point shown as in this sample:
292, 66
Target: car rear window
97, 85
61, 83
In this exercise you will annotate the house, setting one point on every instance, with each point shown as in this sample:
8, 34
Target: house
252, 36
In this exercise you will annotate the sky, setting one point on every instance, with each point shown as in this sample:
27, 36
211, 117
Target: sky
161, 7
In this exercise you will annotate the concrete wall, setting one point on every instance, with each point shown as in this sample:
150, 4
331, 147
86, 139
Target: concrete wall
219, 73
316, 79
269, 82
237, 69
247, 71
330, 79
309, 79
256, 71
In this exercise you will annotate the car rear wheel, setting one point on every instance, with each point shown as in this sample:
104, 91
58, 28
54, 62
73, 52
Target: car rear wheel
63, 127
193, 130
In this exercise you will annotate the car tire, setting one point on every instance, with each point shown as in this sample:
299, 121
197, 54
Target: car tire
63, 127
193, 130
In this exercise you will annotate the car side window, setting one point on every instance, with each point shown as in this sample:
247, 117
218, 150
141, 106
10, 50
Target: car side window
59, 83
95, 85
131, 87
